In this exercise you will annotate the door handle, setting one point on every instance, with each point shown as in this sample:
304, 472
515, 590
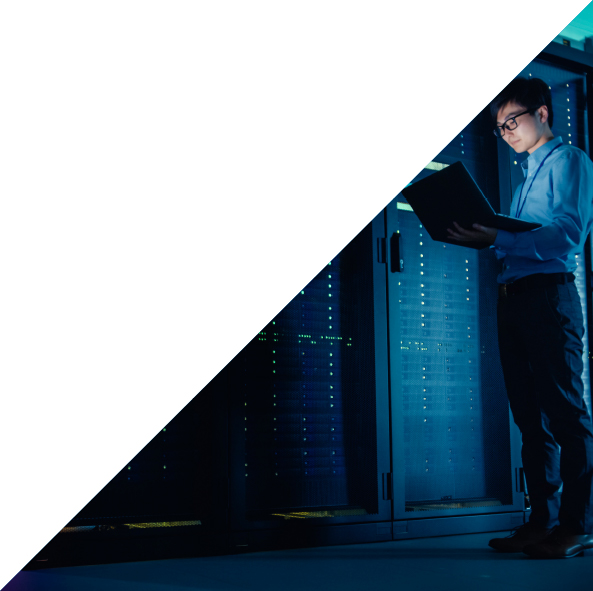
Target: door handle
397, 263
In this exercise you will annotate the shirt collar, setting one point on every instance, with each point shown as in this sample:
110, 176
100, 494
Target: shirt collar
537, 156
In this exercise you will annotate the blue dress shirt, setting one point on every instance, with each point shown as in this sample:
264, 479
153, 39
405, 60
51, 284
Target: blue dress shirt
561, 199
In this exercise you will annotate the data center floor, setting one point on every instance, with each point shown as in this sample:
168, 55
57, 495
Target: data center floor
444, 564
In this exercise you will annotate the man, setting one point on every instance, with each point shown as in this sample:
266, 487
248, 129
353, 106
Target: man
540, 324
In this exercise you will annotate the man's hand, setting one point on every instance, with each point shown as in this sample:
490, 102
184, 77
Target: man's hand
478, 234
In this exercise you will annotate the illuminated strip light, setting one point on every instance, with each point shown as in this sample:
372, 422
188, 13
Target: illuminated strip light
317, 514
436, 166
134, 525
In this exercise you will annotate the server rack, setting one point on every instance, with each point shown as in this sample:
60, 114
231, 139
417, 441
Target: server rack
455, 451
309, 411
489, 488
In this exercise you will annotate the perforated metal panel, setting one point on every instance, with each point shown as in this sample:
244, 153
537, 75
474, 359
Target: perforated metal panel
308, 389
456, 427
449, 364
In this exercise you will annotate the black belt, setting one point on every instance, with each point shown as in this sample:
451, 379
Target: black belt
539, 280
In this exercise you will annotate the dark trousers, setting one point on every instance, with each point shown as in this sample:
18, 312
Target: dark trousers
540, 335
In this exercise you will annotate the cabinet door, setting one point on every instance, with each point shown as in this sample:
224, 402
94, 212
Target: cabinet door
455, 449
309, 411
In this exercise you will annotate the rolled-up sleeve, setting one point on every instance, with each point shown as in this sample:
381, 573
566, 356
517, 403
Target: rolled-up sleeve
572, 194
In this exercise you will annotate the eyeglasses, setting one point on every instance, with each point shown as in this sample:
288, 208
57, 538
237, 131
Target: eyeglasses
510, 124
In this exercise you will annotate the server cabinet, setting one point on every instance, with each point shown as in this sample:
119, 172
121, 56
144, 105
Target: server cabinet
309, 423
455, 448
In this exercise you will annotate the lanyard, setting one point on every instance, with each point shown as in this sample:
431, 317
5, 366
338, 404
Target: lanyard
518, 211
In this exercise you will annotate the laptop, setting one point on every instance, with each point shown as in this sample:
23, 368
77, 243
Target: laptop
451, 195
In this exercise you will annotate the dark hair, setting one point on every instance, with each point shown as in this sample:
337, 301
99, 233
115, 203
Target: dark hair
531, 93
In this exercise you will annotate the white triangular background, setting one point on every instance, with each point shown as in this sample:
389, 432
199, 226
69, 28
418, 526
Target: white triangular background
173, 174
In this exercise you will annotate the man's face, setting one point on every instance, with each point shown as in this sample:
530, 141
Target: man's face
530, 131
